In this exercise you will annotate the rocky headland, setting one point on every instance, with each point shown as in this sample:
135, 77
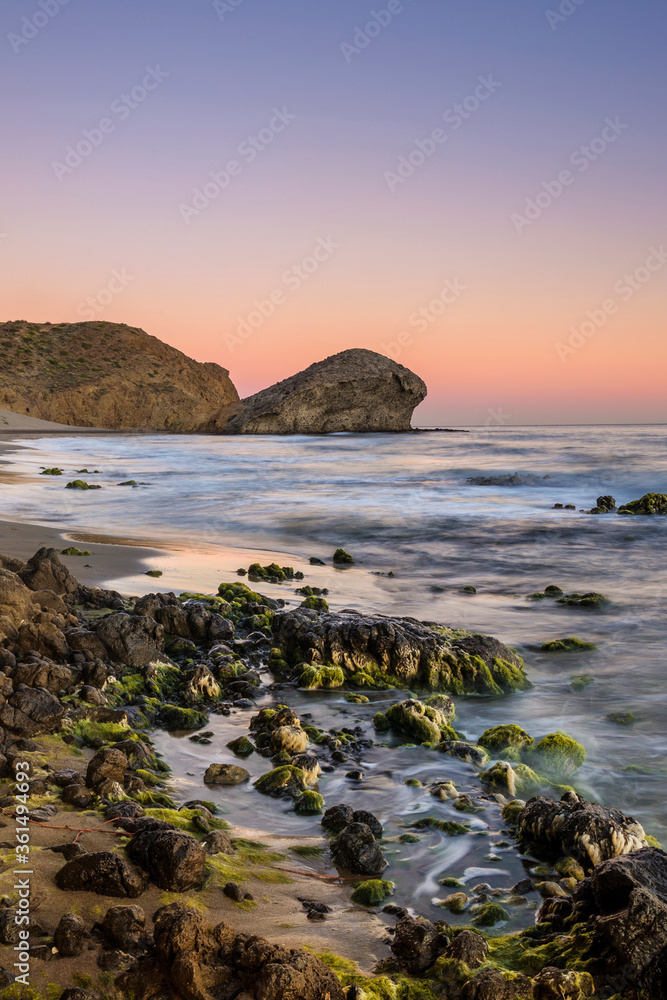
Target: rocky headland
115, 377
135, 894
356, 391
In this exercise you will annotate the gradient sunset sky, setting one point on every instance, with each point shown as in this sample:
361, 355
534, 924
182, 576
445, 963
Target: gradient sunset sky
509, 318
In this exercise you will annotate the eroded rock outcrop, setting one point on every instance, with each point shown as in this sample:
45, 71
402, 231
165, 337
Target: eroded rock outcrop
372, 649
356, 390
585, 830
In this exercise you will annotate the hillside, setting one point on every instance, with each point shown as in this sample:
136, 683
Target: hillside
110, 375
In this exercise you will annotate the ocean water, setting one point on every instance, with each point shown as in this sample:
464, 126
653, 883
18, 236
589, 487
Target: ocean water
401, 504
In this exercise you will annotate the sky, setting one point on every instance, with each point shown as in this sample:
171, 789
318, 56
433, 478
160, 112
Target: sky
475, 188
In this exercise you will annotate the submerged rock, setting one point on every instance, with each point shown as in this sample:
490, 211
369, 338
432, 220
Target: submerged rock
375, 651
356, 391
581, 829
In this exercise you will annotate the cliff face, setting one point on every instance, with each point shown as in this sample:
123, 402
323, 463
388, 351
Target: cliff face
356, 390
111, 376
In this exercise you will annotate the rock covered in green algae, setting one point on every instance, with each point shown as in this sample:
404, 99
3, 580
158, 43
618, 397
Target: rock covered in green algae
489, 914
650, 504
374, 651
590, 600
518, 780
343, 558
79, 484
285, 781
173, 718
315, 603
73, 551
421, 722
557, 756
321, 677
569, 645
241, 746
500, 738
372, 892
309, 803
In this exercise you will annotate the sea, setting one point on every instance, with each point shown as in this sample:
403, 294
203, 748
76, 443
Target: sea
419, 531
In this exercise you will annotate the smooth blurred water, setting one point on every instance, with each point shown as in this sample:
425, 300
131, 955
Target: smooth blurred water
401, 503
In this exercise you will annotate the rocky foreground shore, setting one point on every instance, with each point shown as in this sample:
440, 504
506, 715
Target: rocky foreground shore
88, 814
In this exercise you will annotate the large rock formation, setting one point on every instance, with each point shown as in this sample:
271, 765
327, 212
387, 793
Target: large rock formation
356, 390
112, 376
375, 651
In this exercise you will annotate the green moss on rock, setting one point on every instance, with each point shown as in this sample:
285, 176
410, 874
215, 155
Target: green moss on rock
174, 718
322, 677
499, 738
309, 803
569, 645
650, 504
343, 558
315, 603
490, 914
557, 756
372, 892
283, 781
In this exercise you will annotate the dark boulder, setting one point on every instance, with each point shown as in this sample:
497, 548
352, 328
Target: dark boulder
338, 817
133, 640
44, 571
173, 859
31, 712
124, 926
416, 944
103, 872
631, 898
356, 850
54, 677
68, 937
107, 765
77, 795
